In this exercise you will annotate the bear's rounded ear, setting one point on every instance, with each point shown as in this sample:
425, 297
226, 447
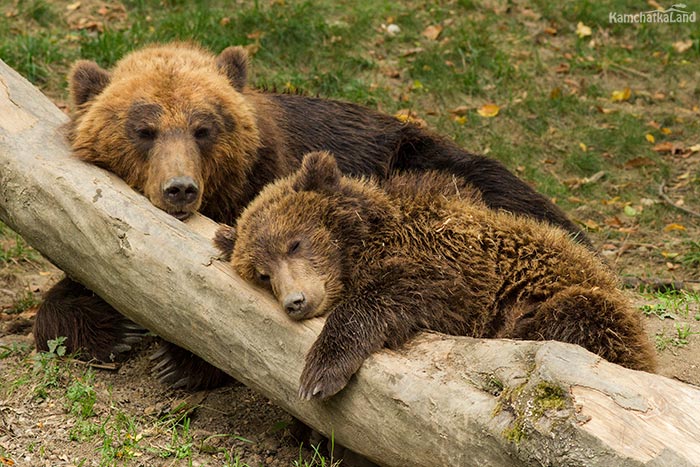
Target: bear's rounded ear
86, 80
234, 62
319, 172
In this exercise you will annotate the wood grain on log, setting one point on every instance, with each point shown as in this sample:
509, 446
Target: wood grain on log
439, 401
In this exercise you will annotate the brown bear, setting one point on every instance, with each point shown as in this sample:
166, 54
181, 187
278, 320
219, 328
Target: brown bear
421, 251
180, 125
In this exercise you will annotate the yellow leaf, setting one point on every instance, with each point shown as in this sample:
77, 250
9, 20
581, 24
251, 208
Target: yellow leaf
582, 30
669, 254
666, 131
488, 110
619, 96
432, 32
461, 120
672, 227
650, 138
583, 147
682, 46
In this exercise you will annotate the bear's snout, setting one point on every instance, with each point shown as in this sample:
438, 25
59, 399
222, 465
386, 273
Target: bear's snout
181, 191
294, 304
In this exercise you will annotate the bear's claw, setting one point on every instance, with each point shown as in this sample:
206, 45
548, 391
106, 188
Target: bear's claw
181, 369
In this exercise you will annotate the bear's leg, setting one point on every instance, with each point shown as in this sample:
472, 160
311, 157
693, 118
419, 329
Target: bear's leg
357, 327
180, 368
597, 320
90, 325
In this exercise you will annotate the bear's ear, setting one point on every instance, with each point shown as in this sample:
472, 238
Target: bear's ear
86, 80
234, 62
224, 241
319, 172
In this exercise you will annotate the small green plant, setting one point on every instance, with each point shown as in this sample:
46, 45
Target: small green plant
659, 310
692, 257
47, 366
82, 396
17, 252
180, 445
24, 302
671, 304
317, 458
14, 350
680, 339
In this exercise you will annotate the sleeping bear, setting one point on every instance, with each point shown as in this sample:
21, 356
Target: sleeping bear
384, 259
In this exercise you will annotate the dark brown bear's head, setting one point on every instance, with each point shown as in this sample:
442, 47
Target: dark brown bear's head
301, 236
170, 120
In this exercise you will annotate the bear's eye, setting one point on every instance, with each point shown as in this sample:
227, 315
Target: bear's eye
147, 133
202, 133
263, 277
293, 247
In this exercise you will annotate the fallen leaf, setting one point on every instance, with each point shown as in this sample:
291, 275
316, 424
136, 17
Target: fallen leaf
460, 119
459, 111
551, 31
488, 110
667, 147
562, 68
432, 32
613, 222
73, 6
413, 51
591, 224
672, 227
582, 30
583, 147
409, 116
620, 96
603, 110
224, 21
640, 161
694, 148
650, 138
629, 211
669, 254
682, 46
555, 93
672, 266
666, 131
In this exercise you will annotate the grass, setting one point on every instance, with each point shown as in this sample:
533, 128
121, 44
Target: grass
95, 417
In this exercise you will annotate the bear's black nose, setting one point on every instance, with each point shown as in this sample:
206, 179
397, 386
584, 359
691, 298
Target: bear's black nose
294, 302
181, 191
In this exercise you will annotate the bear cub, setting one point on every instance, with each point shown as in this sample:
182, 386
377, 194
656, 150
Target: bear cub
384, 260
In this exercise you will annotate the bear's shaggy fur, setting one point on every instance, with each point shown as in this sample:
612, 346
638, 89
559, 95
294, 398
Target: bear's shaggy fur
181, 125
421, 251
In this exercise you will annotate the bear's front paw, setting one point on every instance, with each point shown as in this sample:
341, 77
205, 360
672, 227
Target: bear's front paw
179, 368
319, 381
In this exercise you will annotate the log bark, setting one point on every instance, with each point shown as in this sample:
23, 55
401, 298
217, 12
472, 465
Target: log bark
438, 401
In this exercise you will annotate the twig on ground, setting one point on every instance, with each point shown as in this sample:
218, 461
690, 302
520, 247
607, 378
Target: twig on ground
670, 202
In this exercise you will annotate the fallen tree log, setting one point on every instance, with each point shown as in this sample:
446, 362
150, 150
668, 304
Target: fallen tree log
440, 401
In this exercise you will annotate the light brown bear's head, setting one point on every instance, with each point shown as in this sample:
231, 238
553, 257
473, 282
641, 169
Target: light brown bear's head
170, 120
302, 235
